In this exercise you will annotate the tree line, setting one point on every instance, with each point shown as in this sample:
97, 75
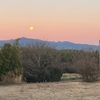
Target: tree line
39, 62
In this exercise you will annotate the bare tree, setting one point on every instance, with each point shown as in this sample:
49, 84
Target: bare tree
39, 60
87, 65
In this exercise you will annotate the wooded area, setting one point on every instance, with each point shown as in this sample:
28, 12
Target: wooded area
39, 62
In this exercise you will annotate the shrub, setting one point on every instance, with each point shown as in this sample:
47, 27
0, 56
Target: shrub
55, 74
87, 66
41, 63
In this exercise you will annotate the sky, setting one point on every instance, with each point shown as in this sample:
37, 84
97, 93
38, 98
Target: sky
75, 21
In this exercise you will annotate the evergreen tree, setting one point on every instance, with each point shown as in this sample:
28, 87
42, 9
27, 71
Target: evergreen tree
10, 61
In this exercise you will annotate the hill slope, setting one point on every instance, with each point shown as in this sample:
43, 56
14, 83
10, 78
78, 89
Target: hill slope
59, 45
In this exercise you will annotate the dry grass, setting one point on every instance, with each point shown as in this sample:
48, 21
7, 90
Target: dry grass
64, 90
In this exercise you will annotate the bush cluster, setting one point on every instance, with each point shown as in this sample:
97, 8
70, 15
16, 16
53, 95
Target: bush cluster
84, 62
10, 62
39, 62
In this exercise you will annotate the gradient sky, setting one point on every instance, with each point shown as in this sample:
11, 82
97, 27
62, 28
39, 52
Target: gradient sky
76, 21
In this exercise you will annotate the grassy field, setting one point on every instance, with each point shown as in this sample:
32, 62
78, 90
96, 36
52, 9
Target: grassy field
73, 76
63, 90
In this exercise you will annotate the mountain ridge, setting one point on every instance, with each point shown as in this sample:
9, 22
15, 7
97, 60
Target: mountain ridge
59, 45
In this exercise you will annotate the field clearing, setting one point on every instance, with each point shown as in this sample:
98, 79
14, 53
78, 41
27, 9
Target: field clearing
64, 90
72, 76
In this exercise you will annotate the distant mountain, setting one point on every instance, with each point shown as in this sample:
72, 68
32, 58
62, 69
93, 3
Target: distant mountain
59, 45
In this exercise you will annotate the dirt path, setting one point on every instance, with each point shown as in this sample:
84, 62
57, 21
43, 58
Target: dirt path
51, 91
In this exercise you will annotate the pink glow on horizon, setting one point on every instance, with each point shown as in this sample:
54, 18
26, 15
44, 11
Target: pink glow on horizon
73, 21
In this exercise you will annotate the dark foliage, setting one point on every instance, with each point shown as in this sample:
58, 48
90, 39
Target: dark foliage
10, 62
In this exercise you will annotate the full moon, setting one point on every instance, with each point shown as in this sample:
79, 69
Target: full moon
31, 28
